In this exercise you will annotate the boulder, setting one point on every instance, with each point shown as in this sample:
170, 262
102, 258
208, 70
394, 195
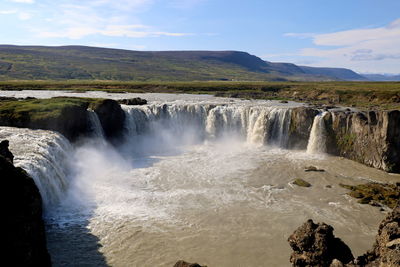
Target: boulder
182, 263
133, 101
315, 245
24, 232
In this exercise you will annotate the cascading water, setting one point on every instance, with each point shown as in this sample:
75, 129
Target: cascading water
95, 124
317, 140
45, 156
255, 124
125, 206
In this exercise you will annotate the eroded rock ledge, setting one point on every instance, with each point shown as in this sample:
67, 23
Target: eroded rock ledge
315, 245
24, 232
371, 138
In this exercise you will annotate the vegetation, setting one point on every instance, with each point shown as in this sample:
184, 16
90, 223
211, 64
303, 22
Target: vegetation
40, 109
91, 63
368, 95
374, 193
301, 182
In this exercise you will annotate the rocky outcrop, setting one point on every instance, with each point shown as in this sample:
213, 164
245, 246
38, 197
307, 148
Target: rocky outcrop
182, 263
133, 101
23, 233
112, 118
372, 138
386, 249
314, 245
300, 126
70, 119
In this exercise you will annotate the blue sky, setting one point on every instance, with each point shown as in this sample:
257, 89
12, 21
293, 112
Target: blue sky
363, 35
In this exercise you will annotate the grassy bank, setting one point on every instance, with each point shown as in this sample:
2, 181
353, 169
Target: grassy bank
368, 95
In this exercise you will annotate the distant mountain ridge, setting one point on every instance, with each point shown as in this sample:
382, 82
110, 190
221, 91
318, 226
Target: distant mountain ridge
382, 77
94, 63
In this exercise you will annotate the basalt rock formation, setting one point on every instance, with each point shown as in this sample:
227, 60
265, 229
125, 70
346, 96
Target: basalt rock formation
24, 233
371, 138
315, 245
111, 117
133, 101
182, 263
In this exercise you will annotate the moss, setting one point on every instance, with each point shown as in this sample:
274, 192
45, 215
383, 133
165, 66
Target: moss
40, 109
385, 194
345, 142
301, 182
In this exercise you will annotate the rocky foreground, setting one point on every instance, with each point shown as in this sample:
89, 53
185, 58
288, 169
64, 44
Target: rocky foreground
24, 232
315, 245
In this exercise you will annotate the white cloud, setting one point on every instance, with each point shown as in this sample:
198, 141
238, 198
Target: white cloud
23, 1
361, 49
7, 12
24, 15
132, 31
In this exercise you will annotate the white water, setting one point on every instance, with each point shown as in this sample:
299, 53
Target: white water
317, 140
205, 181
95, 124
45, 156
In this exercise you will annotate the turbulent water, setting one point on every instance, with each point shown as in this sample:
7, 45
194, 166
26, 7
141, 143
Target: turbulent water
207, 180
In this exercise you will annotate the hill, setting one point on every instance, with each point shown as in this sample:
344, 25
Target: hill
92, 63
382, 77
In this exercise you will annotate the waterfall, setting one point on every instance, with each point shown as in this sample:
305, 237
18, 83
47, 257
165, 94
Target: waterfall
45, 156
317, 140
95, 124
254, 124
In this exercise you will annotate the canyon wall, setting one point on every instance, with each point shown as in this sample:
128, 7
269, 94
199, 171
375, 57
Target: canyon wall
24, 232
371, 138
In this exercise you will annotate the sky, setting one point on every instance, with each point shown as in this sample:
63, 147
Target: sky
363, 35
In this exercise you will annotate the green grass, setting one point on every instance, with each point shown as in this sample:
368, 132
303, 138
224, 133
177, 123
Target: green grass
364, 95
39, 109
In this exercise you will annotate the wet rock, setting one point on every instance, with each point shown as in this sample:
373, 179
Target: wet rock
300, 126
375, 194
182, 263
5, 152
313, 169
301, 182
133, 101
112, 118
24, 233
315, 245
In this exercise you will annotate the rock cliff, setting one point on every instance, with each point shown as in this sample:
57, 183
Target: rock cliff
24, 232
371, 138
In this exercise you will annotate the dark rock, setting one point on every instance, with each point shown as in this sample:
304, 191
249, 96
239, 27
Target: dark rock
133, 101
112, 118
5, 152
300, 126
386, 249
182, 263
301, 182
375, 194
315, 245
24, 233
313, 169
283, 101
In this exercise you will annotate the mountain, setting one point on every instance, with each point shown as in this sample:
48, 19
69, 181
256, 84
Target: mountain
382, 77
82, 62
338, 73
